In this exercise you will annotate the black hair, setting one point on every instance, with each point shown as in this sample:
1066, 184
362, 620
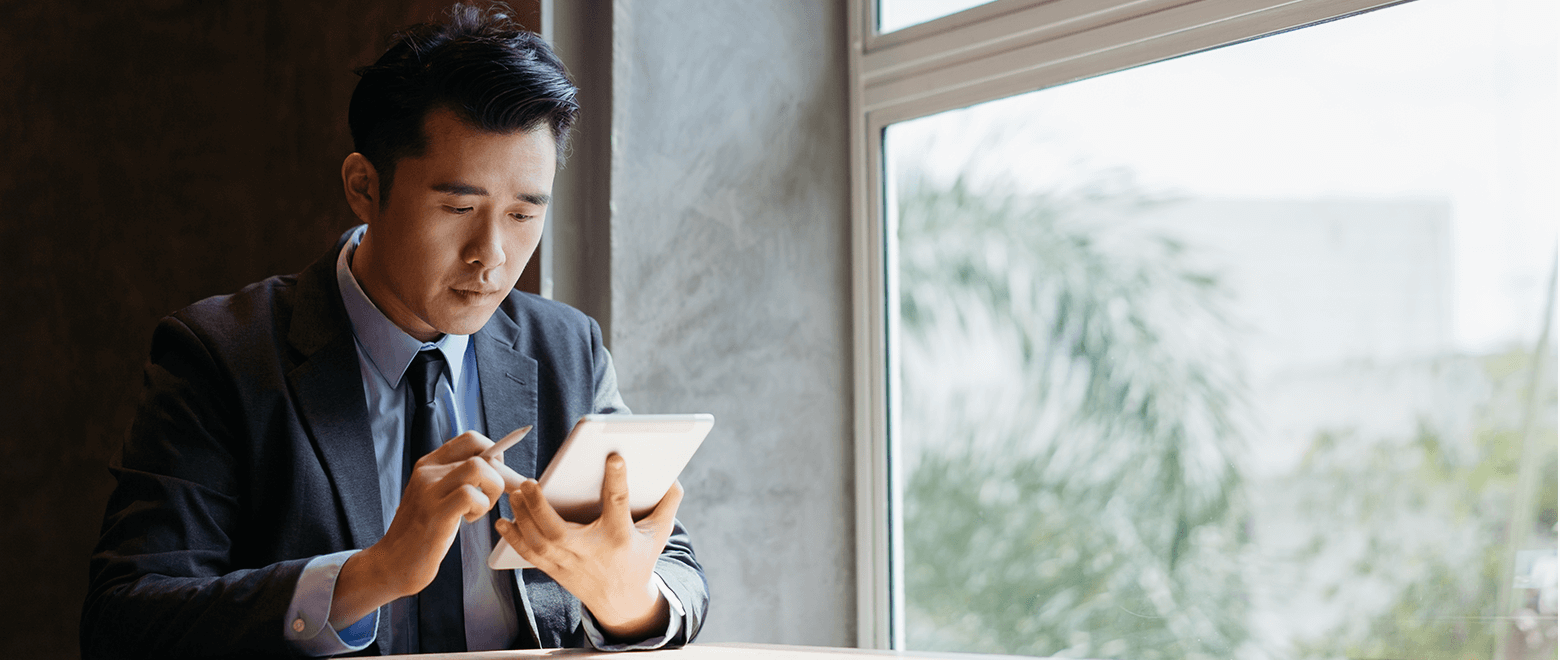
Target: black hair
495, 76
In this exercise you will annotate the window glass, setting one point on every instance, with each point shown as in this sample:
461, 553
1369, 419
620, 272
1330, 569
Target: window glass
1243, 354
900, 14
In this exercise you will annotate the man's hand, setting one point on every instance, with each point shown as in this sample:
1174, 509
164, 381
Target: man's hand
450, 483
608, 564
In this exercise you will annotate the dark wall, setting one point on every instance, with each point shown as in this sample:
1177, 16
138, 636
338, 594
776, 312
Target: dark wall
152, 153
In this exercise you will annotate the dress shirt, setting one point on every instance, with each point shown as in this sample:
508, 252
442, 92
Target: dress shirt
384, 353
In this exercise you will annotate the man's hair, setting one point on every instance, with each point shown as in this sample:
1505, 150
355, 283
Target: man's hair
495, 76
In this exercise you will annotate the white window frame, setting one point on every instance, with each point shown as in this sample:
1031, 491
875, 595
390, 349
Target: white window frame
992, 51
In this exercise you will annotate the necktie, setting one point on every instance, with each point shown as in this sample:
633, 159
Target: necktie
441, 621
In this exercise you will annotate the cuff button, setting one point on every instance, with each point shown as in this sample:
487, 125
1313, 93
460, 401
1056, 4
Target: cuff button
298, 624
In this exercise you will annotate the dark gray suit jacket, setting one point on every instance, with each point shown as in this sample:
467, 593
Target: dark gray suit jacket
251, 454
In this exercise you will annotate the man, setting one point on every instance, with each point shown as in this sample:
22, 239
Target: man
286, 488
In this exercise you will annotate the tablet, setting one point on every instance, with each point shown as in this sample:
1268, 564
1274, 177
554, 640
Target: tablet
655, 447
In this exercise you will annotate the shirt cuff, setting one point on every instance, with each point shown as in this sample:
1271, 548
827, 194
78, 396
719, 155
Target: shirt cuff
673, 625
307, 626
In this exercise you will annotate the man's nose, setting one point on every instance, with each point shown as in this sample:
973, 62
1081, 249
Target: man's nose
485, 246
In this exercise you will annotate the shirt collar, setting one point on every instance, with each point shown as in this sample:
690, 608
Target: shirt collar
390, 350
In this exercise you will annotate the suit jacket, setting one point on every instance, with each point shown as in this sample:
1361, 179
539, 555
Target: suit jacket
251, 454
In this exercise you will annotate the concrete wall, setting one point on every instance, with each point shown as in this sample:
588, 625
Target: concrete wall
731, 292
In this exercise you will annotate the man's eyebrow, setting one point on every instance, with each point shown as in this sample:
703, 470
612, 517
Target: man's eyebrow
456, 188
460, 189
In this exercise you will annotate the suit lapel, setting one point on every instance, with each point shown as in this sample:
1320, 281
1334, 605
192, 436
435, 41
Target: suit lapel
330, 394
508, 380
328, 388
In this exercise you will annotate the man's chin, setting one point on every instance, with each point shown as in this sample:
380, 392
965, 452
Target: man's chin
465, 324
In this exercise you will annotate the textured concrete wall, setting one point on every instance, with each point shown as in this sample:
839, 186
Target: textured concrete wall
731, 292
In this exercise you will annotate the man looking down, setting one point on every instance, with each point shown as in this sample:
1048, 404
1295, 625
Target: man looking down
304, 475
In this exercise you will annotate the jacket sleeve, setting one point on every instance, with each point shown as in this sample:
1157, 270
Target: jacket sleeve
163, 580
682, 573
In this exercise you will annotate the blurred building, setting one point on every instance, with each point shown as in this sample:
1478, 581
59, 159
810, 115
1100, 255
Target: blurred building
1343, 307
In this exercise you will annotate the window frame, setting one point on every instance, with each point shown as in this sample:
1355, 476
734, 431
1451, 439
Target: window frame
988, 52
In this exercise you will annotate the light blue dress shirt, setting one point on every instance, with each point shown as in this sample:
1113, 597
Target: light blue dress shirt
384, 353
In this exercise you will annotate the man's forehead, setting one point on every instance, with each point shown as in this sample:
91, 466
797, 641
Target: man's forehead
444, 125
462, 160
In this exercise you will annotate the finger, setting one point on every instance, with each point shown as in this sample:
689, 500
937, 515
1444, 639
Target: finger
466, 501
483, 475
665, 512
526, 542
527, 534
427, 474
545, 518
474, 473
533, 543
517, 505
614, 492
461, 447
513, 533
511, 479
522, 513
521, 518
507, 531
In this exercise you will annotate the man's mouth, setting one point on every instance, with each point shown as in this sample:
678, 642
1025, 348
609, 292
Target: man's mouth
474, 294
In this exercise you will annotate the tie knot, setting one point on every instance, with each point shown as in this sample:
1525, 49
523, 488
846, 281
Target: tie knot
423, 375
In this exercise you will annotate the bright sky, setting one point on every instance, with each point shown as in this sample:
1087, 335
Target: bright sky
1443, 99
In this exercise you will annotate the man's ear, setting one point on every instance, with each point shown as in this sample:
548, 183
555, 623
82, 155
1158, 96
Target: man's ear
360, 181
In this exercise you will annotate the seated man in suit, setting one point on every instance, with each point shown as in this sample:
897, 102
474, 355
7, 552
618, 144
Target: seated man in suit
287, 488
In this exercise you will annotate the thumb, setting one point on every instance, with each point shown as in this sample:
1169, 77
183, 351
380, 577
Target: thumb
614, 492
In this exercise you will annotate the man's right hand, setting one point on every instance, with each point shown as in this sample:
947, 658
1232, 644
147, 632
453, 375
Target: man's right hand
451, 483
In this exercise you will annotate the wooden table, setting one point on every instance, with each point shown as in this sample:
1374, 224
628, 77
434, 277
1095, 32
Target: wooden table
701, 652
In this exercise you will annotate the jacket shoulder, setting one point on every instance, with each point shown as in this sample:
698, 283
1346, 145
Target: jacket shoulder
260, 311
261, 314
545, 316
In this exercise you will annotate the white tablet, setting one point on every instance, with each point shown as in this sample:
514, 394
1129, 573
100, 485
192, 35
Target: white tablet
655, 448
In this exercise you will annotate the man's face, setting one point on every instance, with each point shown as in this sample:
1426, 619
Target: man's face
461, 222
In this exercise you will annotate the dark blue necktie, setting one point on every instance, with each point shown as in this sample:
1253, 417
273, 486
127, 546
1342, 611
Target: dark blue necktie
441, 621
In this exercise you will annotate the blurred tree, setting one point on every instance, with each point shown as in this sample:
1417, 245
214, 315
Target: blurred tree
1070, 425
1428, 516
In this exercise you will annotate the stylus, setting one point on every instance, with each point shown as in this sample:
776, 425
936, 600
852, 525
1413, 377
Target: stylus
510, 440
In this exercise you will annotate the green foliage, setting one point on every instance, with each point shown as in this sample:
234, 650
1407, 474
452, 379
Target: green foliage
1432, 511
1086, 502
1005, 563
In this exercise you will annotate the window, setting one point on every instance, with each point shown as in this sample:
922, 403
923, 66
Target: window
1245, 353
899, 14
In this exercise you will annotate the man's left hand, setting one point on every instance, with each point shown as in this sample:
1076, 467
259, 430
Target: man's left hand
609, 563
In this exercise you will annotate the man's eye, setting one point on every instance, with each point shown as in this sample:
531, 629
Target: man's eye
458, 209
521, 216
